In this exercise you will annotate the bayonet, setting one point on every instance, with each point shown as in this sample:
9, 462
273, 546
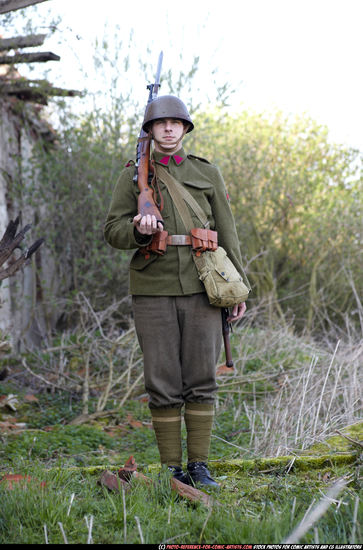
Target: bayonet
154, 88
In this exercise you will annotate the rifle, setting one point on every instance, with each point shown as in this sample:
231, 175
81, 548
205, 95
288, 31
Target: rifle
226, 328
146, 203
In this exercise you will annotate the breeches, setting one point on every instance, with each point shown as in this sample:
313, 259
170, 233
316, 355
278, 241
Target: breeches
180, 337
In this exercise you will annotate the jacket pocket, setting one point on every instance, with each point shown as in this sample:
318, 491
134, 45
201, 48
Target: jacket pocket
199, 184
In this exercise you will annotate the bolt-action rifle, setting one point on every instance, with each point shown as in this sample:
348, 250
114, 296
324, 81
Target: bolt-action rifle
146, 203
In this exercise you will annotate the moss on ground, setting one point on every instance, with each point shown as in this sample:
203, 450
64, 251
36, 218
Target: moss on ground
349, 438
282, 465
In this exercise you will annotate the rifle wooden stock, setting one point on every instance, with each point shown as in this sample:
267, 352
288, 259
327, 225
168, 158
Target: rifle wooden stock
146, 203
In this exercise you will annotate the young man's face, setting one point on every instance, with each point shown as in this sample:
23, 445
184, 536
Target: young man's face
167, 134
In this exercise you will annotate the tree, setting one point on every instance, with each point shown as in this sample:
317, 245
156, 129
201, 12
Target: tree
297, 201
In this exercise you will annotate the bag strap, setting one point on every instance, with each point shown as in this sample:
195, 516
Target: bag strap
181, 198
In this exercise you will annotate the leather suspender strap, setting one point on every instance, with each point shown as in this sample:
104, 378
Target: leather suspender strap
181, 197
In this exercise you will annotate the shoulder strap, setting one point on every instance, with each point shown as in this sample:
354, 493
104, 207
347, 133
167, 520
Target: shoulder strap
181, 197
198, 158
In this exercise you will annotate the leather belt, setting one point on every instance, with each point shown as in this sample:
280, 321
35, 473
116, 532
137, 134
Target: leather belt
179, 240
199, 239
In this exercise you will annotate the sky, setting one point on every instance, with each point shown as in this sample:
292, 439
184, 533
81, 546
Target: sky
299, 56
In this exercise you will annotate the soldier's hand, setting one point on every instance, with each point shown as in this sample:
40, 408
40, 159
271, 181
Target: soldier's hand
147, 225
237, 312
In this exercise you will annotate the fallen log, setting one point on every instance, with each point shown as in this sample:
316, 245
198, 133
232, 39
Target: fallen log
257, 466
191, 493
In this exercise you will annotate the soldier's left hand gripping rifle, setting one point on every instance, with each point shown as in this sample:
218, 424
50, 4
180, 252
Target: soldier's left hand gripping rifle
146, 202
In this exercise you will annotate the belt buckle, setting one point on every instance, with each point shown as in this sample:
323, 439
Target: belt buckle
178, 239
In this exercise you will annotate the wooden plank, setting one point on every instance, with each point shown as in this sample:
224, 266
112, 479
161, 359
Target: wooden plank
22, 41
12, 5
39, 57
34, 90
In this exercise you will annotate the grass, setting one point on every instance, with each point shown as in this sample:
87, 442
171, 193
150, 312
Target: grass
261, 509
286, 397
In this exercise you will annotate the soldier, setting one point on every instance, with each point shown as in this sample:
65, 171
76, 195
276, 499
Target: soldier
178, 330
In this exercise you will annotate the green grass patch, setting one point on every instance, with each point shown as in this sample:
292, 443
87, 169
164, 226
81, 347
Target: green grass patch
62, 441
250, 509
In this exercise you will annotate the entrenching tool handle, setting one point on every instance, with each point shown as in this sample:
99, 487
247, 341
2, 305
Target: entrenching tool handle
227, 343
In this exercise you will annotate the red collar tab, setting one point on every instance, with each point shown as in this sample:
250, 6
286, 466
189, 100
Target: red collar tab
165, 160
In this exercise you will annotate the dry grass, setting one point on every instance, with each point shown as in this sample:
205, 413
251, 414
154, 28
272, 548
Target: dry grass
297, 391
314, 388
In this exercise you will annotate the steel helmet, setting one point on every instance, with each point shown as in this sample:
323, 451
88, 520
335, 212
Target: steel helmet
166, 106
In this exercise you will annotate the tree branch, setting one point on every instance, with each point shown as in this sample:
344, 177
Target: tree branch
354, 441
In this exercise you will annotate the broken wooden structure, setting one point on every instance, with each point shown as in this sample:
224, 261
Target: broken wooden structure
12, 5
25, 313
9, 243
11, 83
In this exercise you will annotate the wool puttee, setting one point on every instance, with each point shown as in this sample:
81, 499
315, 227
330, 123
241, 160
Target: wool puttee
167, 427
199, 421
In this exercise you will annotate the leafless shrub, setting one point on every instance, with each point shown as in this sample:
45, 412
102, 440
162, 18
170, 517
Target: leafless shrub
96, 359
293, 390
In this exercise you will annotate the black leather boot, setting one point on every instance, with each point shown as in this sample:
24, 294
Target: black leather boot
177, 472
199, 474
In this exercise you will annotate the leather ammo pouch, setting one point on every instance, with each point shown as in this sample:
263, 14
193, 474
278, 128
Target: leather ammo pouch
203, 239
200, 240
158, 244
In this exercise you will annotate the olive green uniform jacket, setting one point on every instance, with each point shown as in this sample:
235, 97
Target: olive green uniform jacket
173, 274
